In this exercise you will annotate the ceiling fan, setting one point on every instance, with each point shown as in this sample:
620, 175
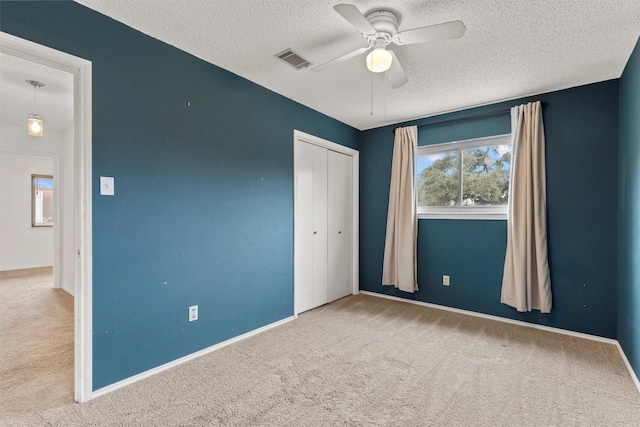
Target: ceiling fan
379, 28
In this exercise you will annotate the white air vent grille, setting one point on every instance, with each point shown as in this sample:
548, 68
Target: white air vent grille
293, 59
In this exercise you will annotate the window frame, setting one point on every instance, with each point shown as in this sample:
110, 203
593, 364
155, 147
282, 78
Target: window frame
34, 224
462, 212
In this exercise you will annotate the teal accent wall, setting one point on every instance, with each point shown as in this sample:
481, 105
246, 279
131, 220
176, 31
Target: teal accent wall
581, 128
629, 207
203, 205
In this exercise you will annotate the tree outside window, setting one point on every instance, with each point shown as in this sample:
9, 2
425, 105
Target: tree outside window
466, 178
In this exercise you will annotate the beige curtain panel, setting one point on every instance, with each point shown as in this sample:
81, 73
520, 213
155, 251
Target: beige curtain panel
399, 268
526, 283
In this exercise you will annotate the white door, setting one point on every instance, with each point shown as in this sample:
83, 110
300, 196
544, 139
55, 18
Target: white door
340, 227
325, 221
319, 228
310, 226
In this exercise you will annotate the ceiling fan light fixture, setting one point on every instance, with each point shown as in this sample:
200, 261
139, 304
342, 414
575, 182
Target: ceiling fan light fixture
379, 60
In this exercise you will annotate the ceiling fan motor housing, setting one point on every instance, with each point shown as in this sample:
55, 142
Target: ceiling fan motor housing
385, 23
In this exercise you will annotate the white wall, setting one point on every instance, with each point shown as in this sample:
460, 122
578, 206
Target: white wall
15, 148
22, 246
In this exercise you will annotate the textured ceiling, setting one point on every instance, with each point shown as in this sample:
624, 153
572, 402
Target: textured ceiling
512, 48
54, 100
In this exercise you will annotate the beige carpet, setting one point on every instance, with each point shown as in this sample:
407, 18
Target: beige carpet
36, 336
367, 361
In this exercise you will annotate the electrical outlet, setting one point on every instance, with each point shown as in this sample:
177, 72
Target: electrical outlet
193, 313
445, 280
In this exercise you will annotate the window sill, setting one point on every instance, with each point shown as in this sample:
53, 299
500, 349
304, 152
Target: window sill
475, 215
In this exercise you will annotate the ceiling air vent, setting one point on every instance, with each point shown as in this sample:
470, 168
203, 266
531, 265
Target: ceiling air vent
293, 59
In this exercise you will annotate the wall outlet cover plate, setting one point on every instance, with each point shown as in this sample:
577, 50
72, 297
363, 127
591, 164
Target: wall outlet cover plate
193, 313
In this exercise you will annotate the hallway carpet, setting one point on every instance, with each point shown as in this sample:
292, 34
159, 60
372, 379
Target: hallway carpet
36, 343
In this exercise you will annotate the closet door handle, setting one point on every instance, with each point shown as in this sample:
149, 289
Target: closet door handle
339, 232
315, 232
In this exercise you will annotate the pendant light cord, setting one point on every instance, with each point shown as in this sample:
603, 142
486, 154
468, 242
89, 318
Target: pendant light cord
36, 85
35, 99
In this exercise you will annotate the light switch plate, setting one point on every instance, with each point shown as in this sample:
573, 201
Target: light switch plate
107, 186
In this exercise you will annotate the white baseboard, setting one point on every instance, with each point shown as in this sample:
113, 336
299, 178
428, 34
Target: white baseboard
68, 290
634, 377
207, 350
180, 361
497, 318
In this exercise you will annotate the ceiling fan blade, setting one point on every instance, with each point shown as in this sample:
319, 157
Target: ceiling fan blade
445, 31
395, 73
355, 18
341, 58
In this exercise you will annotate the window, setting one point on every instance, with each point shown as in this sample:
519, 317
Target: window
464, 180
41, 201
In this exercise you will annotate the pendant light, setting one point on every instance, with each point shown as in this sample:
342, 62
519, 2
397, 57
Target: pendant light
35, 123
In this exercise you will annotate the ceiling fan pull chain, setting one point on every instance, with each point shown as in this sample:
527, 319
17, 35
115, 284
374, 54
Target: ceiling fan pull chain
385, 96
371, 93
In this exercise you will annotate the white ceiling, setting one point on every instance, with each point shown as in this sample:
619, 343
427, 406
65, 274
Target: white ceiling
512, 48
54, 100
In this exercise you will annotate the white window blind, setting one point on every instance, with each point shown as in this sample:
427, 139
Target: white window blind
41, 200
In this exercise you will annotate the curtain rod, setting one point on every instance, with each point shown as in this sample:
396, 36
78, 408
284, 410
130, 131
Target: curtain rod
475, 116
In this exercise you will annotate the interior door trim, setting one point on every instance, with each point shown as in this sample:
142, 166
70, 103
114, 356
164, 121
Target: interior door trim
81, 70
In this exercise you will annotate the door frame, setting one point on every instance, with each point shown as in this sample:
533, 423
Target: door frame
82, 141
301, 137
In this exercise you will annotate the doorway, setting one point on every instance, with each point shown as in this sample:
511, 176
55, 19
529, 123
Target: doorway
80, 229
36, 309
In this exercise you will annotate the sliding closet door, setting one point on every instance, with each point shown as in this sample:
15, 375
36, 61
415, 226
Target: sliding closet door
340, 225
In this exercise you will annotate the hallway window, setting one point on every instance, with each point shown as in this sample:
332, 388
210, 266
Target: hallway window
41, 201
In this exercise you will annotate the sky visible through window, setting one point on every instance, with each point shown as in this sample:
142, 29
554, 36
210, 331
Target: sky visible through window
424, 162
44, 183
473, 176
